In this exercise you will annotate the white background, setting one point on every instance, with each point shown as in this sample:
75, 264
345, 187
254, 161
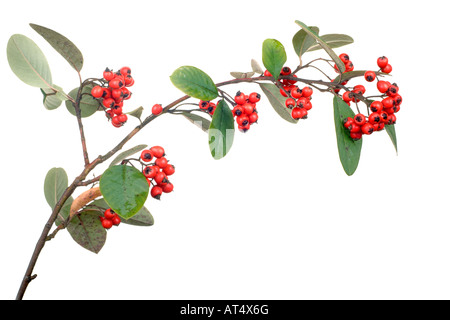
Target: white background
277, 218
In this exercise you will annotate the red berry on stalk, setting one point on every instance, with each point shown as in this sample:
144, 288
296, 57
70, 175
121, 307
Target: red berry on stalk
203, 104
157, 109
296, 93
125, 71
307, 92
129, 81
344, 57
290, 103
116, 122
126, 93
244, 128
238, 111
254, 97
359, 119
156, 192
359, 89
286, 71
392, 119
161, 162
116, 83
248, 108
348, 122
354, 128
382, 62
374, 118
267, 73
242, 120
168, 188
107, 223
388, 102
240, 98
253, 118
123, 117
108, 103
161, 178
108, 75
109, 214
169, 170
356, 135
387, 69
150, 172
382, 86
157, 151
349, 66
146, 156
116, 220
370, 76
97, 92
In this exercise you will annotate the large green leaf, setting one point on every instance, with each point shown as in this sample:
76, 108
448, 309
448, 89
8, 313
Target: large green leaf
88, 104
390, 129
221, 131
324, 45
87, 230
56, 182
194, 82
28, 62
333, 40
125, 154
273, 56
349, 150
64, 46
125, 189
277, 101
302, 41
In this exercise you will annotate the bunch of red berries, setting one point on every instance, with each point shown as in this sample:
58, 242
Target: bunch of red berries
157, 172
109, 219
245, 110
113, 93
381, 112
208, 106
345, 58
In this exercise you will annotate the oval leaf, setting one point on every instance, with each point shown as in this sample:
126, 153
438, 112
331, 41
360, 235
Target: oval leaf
390, 129
53, 100
86, 229
125, 189
277, 101
256, 67
195, 83
28, 62
349, 150
88, 104
333, 41
62, 45
324, 46
221, 131
273, 56
127, 153
302, 41
199, 121
56, 182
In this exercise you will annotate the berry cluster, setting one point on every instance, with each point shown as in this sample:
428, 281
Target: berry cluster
245, 110
382, 112
208, 106
109, 219
298, 100
345, 58
113, 93
157, 172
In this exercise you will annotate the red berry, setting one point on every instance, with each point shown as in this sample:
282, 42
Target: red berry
116, 83
382, 62
240, 98
161, 178
126, 93
296, 93
348, 96
109, 213
307, 92
349, 66
116, 220
248, 108
161, 162
122, 117
108, 102
107, 223
392, 90
150, 172
156, 192
382, 86
237, 111
348, 122
267, 73
359, 119
388, 102
354, 128
290, 103
168, 188
125, 71
117, 94
116, 122
253, 118
169, 170
367, 128
387, 69
157, 151
344, 57
129, 81
108, 75
242, 120
356, 135
376, 106
392, 119
244, 128
370, 76
359, 89
146, 156
254, 97
286, 71
384, 116
157, 109
212, 108
203, 104
97, 92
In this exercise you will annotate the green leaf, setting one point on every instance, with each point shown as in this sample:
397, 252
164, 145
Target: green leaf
199, 121
302, 41
349, 150
137, 113
256, 67
62, 45
390, 129
221, 131
28, 62
56, 182
195, 83
142, 219
87, 230
333, 40
273, 56
53, 100
242, 75
324, 46
277, 101
127, 153
88, 104
125, 189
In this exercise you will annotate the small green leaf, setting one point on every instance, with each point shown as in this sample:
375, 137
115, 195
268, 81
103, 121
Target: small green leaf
302, 41
86, 229
277, 101
137, 113
62, 45
256, 67
349, 150
195, 83
127, 153
88, 104
28, 62
390, 129
125, 189
53, 100
333, 40
221, 131
324, 45
199, 121
273, 56
56, 182
241, 75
